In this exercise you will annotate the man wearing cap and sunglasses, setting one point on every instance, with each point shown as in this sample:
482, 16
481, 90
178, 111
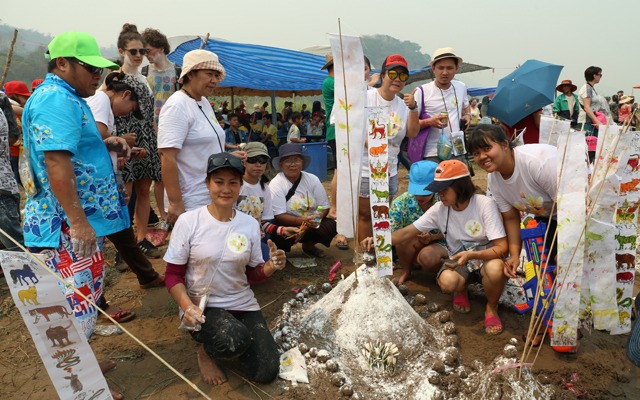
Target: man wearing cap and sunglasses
76, 201
444, 100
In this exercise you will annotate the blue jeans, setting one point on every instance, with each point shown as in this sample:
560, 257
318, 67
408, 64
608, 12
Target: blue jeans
10, 220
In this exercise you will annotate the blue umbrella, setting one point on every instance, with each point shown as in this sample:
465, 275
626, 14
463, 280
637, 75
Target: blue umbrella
525, 90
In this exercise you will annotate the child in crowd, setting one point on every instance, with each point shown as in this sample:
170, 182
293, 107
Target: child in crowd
475, 239
294, 131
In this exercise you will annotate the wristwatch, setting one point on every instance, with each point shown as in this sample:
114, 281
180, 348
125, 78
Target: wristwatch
414, 108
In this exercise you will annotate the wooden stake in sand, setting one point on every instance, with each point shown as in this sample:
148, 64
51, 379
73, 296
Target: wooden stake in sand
204, 41
9, 54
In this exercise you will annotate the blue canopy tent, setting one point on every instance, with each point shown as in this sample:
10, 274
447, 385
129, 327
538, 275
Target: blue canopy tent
480, 91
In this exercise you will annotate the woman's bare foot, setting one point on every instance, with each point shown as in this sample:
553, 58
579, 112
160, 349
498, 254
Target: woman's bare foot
116, 395
210, 371
106, 365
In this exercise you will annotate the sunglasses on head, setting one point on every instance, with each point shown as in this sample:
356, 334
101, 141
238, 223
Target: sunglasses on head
222, 160
134, 52
258, 159
93, 70
393, 74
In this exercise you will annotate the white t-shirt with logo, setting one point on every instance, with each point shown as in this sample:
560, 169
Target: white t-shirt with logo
397, 130
217, 252
455, 98
308, 196
255, 201
480, 222
183, 126
532, 187
100, 105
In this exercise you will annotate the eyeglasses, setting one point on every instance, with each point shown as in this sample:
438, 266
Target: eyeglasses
393, 74
258, 159
134, 52
292, 160
93, 70
220, 160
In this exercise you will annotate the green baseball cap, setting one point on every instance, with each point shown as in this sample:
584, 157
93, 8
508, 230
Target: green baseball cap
79, 45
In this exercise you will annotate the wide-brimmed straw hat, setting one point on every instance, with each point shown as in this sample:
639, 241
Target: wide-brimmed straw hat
625, 100
442, 53
201, 59
290, 149
566, 82
329, 61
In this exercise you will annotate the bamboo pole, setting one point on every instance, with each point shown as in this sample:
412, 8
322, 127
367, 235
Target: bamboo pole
9, 54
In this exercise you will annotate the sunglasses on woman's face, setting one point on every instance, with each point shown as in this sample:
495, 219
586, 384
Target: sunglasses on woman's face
134, 52
223, 160
393, 74
258, 159
93, 70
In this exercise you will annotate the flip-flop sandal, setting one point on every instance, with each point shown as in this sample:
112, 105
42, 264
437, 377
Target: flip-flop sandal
535, 342
462, 300
123, 316
314, 252
633, 342
492, 321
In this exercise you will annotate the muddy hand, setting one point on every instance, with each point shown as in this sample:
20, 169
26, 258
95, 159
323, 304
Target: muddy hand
277, 256
366, 244
118, 145
83, 240
193, 317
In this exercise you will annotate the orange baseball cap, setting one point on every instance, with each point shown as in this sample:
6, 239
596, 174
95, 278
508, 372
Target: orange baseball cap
447, 173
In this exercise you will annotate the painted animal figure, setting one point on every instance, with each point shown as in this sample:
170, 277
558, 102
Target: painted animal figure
377, 130
625, 261
623, 241
29, 295
384, 261
381, 245
633, 162
58, 334
380, 194
46, 312
381, 225
380, 211
75, 383
21, 275
629, 186
376, 151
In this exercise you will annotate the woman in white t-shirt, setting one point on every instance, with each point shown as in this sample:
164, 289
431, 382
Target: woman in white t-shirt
393, 76
227, 318
188, 132
299, 198
255, 196
520, 180
475, 239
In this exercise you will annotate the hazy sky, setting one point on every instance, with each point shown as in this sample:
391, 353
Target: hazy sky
496, 33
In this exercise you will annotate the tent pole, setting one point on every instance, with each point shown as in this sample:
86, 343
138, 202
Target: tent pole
233, 105
274, 114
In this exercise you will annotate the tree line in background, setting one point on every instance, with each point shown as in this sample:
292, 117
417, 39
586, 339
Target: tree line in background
28, 62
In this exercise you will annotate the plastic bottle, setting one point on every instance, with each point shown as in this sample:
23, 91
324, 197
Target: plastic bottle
107, 330
318, 216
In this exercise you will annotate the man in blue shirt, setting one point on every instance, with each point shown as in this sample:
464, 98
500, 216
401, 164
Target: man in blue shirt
76, 201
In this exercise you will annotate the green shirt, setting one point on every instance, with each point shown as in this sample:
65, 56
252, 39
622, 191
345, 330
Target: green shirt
327, 97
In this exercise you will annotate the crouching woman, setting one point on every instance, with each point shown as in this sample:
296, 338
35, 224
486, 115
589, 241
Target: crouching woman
475, 239
213, 256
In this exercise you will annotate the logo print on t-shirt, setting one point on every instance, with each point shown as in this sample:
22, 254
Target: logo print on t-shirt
473, 228
237, 242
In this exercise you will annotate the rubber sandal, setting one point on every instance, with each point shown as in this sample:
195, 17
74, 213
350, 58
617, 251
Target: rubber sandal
537, 340
123, 316
313, 252
462, 300
492, 321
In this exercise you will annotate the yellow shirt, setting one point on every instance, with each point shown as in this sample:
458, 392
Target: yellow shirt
272, 131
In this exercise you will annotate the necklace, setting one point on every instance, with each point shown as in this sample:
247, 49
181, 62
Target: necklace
207, 118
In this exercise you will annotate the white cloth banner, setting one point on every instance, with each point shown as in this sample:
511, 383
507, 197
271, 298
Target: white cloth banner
572, 183
349, 116
600, 269
551, 129
59, 338
378, 119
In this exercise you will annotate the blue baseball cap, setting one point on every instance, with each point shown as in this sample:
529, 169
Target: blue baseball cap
421, 175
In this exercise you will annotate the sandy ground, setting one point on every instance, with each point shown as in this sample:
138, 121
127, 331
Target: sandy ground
601, 365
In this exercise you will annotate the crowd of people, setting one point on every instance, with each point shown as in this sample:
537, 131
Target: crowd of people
153, 130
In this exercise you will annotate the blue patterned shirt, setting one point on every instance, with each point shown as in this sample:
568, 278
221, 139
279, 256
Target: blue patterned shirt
56, 118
